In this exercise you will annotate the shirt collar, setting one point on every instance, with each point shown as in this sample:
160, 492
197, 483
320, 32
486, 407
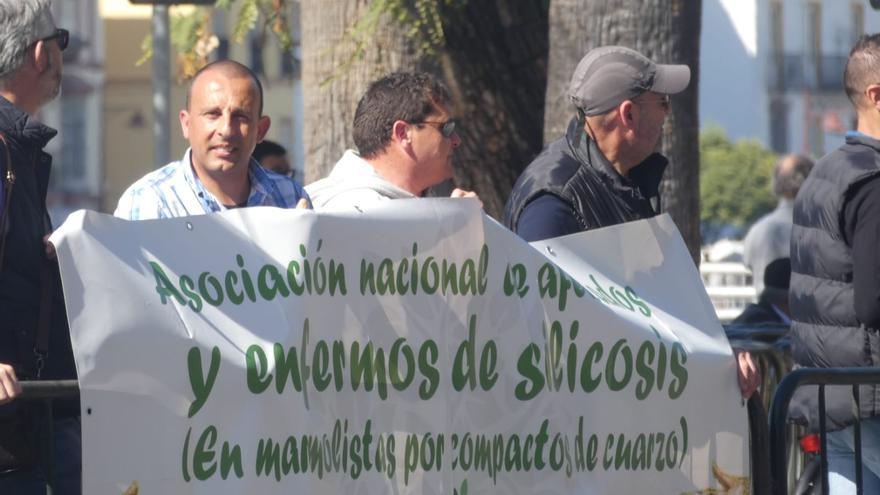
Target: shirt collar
856, 137
259, 181
20, 125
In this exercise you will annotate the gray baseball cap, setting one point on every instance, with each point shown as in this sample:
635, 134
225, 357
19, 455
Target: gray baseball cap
609, 75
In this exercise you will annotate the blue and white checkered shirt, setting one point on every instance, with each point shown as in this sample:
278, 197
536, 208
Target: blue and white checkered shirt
175, 191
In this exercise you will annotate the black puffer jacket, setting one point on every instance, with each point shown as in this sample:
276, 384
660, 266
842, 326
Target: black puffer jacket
21, 272
573, 169
825, 330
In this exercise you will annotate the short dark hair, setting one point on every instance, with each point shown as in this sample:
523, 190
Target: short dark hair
406, 96
862, 68
787, 180
229, 68
267, 148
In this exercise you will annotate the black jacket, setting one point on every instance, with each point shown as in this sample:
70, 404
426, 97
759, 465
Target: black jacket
825, 329
21, 273
574, 170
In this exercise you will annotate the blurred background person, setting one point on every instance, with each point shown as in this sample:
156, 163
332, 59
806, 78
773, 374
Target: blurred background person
770, 235
772, 305
272, 156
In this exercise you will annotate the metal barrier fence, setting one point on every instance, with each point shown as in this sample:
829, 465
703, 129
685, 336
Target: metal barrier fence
770, 350
779, 417
46, 391
49, 390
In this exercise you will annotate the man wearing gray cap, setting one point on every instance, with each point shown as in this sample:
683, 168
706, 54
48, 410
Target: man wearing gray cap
604, 171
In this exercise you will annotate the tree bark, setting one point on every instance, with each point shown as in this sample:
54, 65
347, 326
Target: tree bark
331, 86
667, 31
494, 62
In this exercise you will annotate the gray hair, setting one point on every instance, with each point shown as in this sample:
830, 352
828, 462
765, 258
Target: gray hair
789, 174
22, 22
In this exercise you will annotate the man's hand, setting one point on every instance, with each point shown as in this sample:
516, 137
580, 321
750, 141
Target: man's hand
461, 193
50, 248
747, 373
303, 204
9, 386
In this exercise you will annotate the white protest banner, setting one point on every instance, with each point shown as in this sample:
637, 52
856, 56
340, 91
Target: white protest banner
419, 348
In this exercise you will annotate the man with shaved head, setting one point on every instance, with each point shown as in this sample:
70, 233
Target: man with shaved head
834, 295
223, 122
770, 236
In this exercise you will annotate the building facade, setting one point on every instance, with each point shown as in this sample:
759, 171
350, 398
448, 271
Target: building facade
773, 69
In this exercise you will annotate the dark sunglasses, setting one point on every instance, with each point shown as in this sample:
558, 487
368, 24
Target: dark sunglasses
446, 128
63, 37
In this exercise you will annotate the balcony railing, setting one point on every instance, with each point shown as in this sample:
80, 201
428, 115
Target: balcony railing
802, 72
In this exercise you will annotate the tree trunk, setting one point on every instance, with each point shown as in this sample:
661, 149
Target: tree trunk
333, 82
493, 61
667, 31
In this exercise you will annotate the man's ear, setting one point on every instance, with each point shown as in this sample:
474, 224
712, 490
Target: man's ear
400, 131
628, 113
41, 56
263, 127
872, 93
183, 117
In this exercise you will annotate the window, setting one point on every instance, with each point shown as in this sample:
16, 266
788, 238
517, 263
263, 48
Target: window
72, 161
219, 27
778, 124
290, 64
222, 48
814, 30
255, 45
777, 33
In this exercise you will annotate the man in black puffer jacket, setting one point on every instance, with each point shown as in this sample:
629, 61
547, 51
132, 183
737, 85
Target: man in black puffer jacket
34, 336
835, 281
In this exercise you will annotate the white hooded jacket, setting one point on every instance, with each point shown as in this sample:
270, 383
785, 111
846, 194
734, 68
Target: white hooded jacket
352, 184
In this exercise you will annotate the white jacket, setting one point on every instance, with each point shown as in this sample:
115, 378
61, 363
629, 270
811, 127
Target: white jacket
352, 184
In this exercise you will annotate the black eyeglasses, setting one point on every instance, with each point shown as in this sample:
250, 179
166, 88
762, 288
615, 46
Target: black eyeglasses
446, 128
63, 37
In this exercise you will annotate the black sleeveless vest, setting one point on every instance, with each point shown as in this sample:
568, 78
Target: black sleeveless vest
825, 331
573, 169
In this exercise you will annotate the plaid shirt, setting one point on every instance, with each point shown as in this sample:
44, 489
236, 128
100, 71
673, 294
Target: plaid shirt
175, 191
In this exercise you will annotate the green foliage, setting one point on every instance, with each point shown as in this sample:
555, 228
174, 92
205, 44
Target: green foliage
247, 20
734, 179
422, 21
193, 39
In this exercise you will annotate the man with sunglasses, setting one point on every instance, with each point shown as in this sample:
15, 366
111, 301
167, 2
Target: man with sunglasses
605, 170
34, 336
406, 138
